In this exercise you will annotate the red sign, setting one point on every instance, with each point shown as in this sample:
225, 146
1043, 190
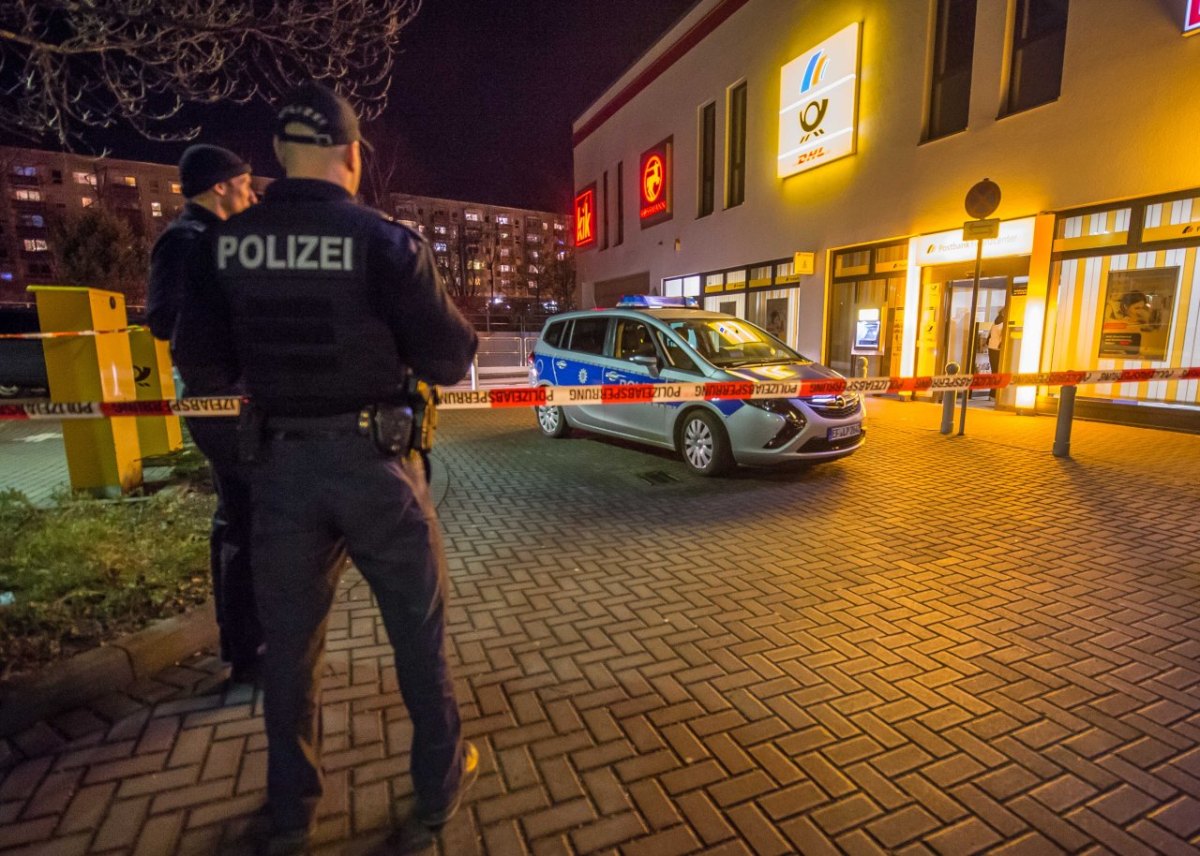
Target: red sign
585, 217
654, 184
1191, 22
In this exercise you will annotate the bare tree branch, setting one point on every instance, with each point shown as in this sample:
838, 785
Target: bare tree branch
70, 65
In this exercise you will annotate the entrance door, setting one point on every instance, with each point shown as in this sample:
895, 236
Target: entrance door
993, 294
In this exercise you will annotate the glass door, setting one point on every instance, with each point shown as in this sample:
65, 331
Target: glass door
993, 294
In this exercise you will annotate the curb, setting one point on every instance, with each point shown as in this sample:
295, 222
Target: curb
109, 668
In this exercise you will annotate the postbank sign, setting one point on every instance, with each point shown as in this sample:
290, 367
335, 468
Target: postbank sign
818, 104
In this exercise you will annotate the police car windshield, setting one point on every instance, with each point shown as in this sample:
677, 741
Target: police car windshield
730, 342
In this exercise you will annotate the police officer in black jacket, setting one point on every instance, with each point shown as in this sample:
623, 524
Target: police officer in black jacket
216, 184
333, 306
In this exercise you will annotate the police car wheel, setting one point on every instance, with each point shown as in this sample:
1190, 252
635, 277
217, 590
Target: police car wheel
704, 444
552, 421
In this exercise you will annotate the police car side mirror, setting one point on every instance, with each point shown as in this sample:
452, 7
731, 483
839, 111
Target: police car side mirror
650, 362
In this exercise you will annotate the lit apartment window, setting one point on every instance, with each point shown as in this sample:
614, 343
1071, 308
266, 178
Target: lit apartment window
25, 171
129, 180
36, 221
439, 246
504, 251
533, 268
735, 170
708, 159
176, 187
84, 178
6, 275
953, 50
505, 268
35, 245
155, 209
1039, 41
558, 227
87, 201
24, 194
502, 219
439, 230
473, 216
533, 254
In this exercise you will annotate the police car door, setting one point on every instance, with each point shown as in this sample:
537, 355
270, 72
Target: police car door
633, 357
582, 363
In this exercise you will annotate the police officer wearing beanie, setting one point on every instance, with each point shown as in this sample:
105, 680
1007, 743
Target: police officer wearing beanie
216, 184
333, 307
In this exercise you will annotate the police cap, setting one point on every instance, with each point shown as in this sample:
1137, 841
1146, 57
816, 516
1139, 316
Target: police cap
330, 116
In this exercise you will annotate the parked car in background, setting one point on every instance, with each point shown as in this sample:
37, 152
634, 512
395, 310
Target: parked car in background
652, 340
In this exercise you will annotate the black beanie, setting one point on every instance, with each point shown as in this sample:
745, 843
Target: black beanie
202, 166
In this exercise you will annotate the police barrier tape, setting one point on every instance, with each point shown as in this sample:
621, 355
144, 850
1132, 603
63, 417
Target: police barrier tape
71, 334
629, 393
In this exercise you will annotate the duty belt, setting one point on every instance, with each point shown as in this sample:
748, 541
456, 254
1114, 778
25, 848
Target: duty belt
314, 427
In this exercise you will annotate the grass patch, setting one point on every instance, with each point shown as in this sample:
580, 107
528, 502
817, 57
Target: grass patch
87, 570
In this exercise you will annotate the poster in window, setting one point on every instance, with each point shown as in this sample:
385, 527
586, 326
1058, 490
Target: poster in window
1138, 309
777, 313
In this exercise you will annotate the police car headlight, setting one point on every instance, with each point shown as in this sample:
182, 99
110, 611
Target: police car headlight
780, 406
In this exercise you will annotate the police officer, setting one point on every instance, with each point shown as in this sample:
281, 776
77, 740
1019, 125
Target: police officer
332, 306
216, 184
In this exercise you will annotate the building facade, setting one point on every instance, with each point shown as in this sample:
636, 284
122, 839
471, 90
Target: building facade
487, 252
804, 165
37, 186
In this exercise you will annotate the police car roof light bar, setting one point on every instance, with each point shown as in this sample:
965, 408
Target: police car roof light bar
655, 301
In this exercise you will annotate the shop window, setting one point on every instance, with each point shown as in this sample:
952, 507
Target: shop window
691, 286
1039, 42
953, 49
1167, 221
891, 258
714, 282
786, 272
852, 263
604, 232
1097, 229
735, 169
735, 279
760, 275
708, 153
620, 205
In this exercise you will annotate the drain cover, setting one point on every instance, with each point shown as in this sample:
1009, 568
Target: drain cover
657, 477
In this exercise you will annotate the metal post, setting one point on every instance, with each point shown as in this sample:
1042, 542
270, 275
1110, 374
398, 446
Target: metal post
475, 372
970, 362
1062, 432
948, 403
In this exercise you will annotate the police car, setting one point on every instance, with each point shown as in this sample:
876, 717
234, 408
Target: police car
659, 340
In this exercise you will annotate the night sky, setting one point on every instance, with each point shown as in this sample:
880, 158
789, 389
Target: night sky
484, 95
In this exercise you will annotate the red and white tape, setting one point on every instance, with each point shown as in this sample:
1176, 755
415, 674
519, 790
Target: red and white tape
636, 393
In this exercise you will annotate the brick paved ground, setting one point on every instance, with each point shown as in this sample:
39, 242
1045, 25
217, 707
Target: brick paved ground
937, 646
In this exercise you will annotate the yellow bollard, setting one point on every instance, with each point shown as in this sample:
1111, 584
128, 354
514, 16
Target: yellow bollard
103, 455
154, 381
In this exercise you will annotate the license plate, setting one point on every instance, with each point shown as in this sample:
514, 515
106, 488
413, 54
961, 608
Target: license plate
841, 432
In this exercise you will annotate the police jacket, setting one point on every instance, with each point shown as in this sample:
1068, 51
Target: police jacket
168, 266
330, 305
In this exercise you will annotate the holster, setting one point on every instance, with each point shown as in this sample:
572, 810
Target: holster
251, 427
390, 427
424, 400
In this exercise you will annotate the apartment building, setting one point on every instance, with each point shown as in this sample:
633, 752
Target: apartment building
803, 164
487, 252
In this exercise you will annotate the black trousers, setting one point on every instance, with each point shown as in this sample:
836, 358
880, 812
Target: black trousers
229, 542
994, 360
318, 496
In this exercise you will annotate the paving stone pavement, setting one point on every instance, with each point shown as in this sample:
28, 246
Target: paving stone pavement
938, 646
